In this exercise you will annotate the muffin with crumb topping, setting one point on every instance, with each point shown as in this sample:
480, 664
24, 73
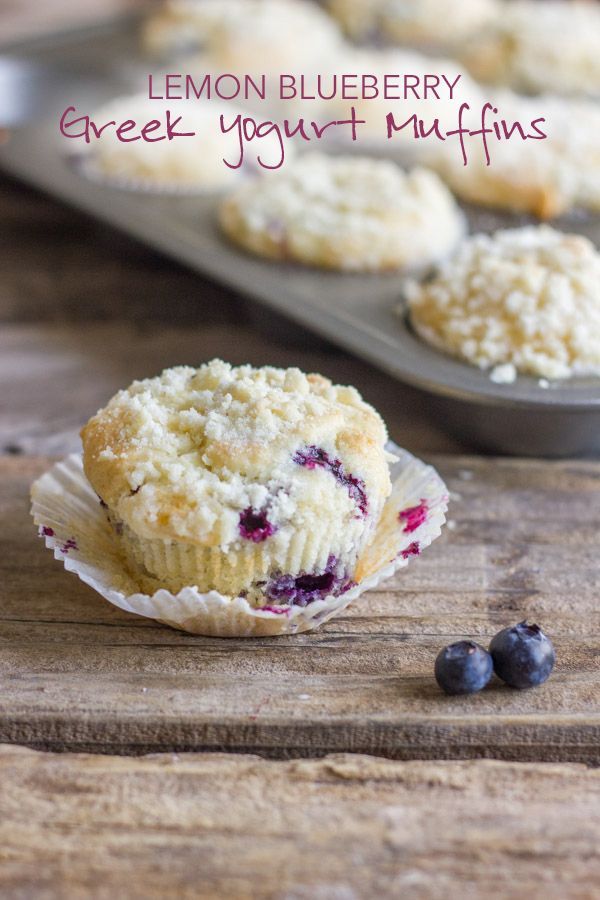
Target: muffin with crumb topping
430, 23
263, 483
523, 300
243, 36
348, 213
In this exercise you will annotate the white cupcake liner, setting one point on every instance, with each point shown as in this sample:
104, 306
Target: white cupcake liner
75, 527
174, 564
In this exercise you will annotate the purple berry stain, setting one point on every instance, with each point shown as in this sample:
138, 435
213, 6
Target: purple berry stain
315, 457
412, 550
277, 610
46, 531
255, 526
300, 590
414, 516
70, 544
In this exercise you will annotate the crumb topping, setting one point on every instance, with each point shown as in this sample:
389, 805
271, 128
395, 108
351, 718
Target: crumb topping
207, 455
322, 193
527, 298
239, 34
352, 213
546, 177
554, 46
423, 20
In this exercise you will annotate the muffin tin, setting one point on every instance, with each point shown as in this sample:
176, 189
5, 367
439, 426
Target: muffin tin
86, 67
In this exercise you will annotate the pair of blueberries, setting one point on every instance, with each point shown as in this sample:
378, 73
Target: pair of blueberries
522, 656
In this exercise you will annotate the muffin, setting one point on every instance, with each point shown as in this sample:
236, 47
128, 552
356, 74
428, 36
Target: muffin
345, 213
522, 300
373, 111
261, 483
250, 36
546, 177
184, 164
425, 22
552, 46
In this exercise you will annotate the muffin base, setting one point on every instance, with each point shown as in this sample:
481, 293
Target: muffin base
74, 526
248, 569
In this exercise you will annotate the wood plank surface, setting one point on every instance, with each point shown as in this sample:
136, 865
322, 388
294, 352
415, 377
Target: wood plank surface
523, 541
341, 828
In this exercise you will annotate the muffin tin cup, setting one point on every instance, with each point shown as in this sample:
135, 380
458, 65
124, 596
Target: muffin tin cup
74, 526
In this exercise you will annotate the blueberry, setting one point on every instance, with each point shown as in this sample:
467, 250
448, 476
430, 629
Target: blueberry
463, 668
523, 655
255, 526
315, 457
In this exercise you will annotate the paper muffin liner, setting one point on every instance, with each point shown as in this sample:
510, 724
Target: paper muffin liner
75, 527
157, 563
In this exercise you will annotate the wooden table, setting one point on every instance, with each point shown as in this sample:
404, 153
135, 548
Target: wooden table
524, 542
83, 311
345, 827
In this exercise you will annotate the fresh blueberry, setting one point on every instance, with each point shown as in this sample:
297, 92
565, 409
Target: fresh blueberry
463, 668
523, 655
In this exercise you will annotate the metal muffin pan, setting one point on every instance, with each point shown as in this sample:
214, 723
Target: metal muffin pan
357, 312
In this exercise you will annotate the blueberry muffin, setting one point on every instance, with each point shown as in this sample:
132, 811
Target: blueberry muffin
186, 164
373, 111
345, 213
524, 300
248, 36
535, 47
421, 22
258, 483
547, 177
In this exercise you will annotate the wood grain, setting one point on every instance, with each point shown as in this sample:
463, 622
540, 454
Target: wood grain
524, 539
347, 827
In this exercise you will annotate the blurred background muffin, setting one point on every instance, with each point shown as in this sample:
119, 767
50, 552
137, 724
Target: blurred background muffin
429, 23
540, 46
243, 35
